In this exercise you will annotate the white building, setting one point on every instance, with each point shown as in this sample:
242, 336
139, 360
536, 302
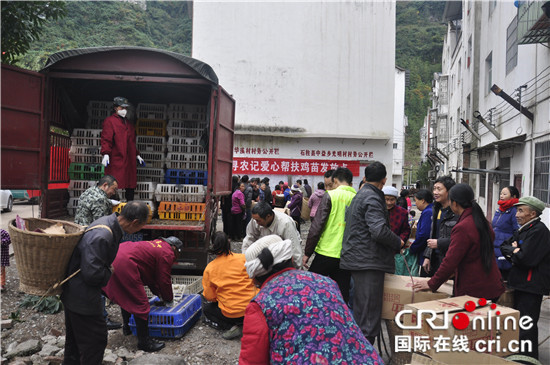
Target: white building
314, 83
494, 43
399, 170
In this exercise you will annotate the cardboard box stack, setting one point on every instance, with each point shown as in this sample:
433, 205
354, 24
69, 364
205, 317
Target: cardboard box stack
477, 330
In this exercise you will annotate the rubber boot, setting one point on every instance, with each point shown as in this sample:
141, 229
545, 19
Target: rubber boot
125, 323
145, 342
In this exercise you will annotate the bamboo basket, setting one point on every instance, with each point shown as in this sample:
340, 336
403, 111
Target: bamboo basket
42, 258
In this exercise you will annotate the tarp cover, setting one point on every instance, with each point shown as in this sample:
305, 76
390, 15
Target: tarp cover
202, 68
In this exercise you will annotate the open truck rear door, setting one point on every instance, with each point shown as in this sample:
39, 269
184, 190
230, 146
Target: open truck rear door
221, 141
24, 134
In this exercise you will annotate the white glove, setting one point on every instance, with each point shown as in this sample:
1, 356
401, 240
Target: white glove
140, 160
105, 161
115, 202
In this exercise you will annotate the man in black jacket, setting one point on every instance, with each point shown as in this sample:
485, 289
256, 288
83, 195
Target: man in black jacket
86, 330
529, 252
368, 250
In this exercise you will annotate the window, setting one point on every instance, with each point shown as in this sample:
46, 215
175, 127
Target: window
395, 146
542, 171
504, 165
512, 45
459, 78
482, 179
489, 73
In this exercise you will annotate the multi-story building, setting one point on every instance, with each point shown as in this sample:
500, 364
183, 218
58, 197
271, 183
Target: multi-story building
314, 83
489, 122
399, 170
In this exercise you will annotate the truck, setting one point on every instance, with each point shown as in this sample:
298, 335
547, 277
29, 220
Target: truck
39, 107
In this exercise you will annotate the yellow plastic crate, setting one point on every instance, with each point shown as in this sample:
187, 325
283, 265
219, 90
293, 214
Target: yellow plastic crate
182, 211
118, 209
151, 127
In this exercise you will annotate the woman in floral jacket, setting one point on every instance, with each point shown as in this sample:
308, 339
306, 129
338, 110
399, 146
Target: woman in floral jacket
298, 316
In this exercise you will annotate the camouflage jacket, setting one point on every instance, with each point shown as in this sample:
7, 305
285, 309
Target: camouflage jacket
92, 204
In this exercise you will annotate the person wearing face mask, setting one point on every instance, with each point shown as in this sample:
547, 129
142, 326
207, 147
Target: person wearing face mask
118, 147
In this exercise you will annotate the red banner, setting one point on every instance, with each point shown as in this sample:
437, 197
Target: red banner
288, 166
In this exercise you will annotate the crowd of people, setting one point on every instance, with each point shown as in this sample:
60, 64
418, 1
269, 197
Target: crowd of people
320, 302
356, 237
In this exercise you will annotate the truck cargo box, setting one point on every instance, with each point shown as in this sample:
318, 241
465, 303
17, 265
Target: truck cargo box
41, 110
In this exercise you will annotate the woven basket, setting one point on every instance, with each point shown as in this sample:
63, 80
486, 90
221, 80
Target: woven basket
42, 258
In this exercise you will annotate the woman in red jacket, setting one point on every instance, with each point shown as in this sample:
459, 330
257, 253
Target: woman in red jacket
118, 147
470, 257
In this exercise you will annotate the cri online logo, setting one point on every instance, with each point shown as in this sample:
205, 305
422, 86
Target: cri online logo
461, 320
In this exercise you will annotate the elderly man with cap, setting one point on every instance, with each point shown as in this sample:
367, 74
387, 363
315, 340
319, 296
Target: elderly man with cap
138, 264
529, 252
118, 147
298, 316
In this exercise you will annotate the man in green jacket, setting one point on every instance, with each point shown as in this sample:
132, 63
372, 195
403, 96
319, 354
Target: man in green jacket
327, 231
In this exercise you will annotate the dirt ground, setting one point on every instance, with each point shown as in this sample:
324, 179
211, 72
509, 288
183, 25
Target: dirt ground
201, 345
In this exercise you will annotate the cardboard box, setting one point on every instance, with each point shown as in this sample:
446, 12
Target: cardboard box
398, 292
477, 330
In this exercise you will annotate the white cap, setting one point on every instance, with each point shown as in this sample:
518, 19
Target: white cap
391, 191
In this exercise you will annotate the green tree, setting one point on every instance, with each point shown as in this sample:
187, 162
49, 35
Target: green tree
23, 23
419, 44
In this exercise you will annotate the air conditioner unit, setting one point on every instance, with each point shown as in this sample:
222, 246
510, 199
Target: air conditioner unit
432, 174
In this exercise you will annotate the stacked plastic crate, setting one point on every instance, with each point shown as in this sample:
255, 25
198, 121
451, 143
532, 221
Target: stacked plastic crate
151, 123
85, 168
97, 112
182, 196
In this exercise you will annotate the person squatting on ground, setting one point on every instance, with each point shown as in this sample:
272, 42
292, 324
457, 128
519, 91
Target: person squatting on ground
298, 317
118, 147
267, 221
368, 250
470, 256
227, 289
138, 264
327, 231
95, 202
529, 252
85, 327
443, 221
504, 225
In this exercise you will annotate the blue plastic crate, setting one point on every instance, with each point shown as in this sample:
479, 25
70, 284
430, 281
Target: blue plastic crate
172, 322
196, 177
174, 176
